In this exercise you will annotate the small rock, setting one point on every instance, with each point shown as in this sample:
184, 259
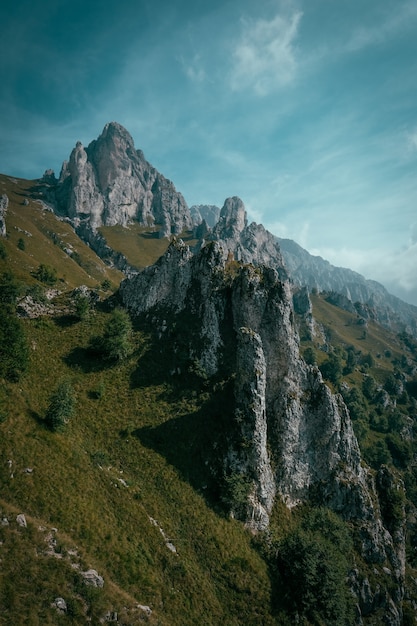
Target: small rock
21, 520
60, 605
145, 609
92, 578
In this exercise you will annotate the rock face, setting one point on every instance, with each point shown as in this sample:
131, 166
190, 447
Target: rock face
4, 203
293, 438
110, 182
248, 243
205, 212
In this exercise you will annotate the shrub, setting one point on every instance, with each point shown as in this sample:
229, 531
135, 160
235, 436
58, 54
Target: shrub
21, 244
46, 274
61, 406
310, 356
116, 342
82, 307
332, 368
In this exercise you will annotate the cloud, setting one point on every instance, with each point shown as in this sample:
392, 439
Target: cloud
398, 20
194, 69
264, 57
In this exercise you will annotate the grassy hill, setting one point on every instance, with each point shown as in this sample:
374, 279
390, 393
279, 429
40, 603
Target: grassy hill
127, 487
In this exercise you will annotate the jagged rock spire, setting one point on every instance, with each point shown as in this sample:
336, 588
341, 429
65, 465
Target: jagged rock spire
110, 182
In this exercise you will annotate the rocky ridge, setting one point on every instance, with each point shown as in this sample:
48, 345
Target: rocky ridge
292, 438
354, 290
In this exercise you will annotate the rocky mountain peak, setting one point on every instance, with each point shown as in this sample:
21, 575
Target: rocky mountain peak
232, 219
249, 243
110, 183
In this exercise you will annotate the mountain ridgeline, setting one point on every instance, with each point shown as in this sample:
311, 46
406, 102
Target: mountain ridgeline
306, 446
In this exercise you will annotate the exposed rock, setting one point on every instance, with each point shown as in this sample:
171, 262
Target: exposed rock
49, 177
250, 413
292, 437
248, 243
31, 308
84, 292
60, 605
21, 520
110, 182
92, 578
4, 204
205, 212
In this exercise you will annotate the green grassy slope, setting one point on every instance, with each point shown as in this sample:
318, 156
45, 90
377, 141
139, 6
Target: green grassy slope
44, 240
131, 474
100, 485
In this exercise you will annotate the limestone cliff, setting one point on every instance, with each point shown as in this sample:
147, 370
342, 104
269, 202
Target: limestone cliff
293, 438
110, 182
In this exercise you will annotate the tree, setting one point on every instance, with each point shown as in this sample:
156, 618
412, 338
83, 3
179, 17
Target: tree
61, 406
332, 368
116, 342
82, 307
46, 274
313, 564
14, 352
369, 387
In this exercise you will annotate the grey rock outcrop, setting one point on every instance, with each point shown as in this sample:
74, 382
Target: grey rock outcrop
92, 578
205, 212
248, 243
293, 438
110, 182
4, 204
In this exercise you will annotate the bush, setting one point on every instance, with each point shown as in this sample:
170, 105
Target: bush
310, 356
46, 274
82, 307
61, 406
116, 342
332, 368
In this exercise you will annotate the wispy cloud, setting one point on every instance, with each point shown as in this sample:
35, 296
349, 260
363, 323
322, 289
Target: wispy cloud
375, 34
194, 69
264, 58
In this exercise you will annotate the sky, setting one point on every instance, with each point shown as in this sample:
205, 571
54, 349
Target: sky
305, 109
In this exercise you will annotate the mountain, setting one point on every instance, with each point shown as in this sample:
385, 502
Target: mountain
194, 441
318, 274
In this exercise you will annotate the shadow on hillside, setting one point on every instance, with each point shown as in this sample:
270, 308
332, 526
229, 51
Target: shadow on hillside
84, 360
66, 321
195, 444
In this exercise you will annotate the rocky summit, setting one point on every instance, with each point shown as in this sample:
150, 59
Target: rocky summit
110, 182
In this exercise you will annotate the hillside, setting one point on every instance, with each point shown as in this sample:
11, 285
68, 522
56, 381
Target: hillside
167, 455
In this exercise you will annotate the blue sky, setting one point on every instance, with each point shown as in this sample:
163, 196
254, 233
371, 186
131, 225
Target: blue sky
306, 109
